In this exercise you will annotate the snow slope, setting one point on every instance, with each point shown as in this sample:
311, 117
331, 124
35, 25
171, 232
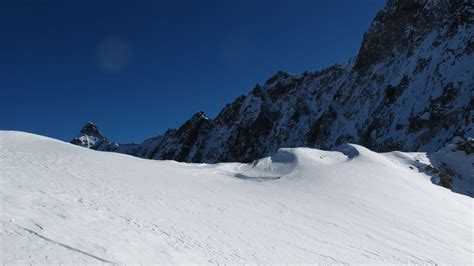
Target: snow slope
65, 204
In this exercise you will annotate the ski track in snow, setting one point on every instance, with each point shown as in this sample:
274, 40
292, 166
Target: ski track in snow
66, 204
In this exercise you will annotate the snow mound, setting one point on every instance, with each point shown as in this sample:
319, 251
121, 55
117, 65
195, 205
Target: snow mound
270, 168
285, 162
65, 204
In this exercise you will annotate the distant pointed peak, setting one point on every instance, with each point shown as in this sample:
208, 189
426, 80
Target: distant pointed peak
90, 129
200, 115
195, 121
279, 75
89, 137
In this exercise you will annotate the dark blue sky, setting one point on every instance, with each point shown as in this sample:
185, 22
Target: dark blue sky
136, 68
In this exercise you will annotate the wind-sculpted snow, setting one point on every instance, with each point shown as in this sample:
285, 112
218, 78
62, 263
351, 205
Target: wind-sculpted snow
65, 204
274, 167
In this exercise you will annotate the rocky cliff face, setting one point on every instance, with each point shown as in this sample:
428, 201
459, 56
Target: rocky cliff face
410, 88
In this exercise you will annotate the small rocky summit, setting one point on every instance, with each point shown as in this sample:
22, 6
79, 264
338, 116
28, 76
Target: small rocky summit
90, 137
410, 88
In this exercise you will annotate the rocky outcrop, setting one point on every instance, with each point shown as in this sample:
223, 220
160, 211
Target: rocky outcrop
410, 88
90, 137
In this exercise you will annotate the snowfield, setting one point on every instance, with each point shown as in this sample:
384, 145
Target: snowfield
65, 204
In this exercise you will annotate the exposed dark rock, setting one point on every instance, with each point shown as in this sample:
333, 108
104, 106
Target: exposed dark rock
467, 146
90, 137
389, 32
321, 129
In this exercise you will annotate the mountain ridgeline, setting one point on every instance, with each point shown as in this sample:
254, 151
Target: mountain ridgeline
410, 88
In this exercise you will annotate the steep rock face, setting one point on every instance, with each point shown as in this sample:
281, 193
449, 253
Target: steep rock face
410, 88
180, 144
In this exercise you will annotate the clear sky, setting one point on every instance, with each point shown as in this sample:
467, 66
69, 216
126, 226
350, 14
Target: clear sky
137, 68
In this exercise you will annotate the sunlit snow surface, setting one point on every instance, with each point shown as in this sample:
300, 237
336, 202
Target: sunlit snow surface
66, 204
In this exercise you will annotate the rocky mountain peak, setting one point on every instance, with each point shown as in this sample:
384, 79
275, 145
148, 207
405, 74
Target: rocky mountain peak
279, 76
194, 122
198, 116
90, 129
403, 24
90, 137
397, 28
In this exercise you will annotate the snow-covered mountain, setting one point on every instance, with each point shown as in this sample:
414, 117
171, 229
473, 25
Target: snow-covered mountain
410, 88
90, 137
65, 204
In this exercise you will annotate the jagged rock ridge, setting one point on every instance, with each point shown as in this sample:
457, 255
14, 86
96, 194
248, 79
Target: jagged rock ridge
410, 88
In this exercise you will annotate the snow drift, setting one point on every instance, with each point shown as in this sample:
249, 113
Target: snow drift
65, 204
